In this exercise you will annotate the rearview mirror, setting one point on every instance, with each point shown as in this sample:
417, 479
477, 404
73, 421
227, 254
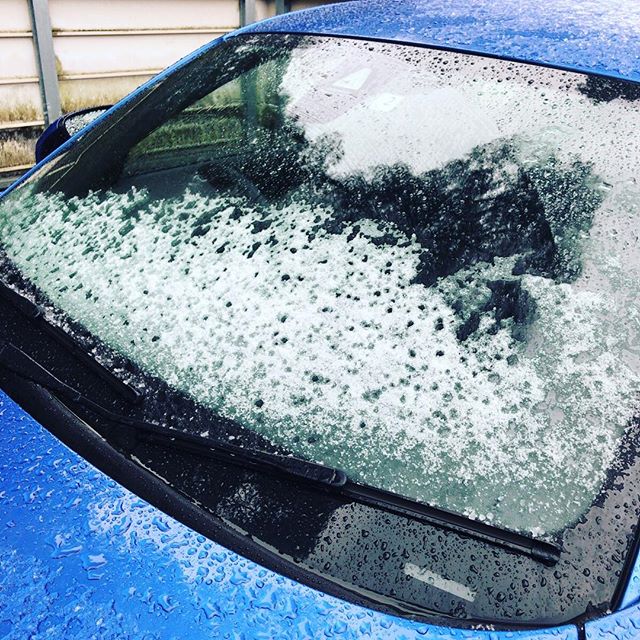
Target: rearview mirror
58, 132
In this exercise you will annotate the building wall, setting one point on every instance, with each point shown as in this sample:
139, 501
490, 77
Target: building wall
103, 50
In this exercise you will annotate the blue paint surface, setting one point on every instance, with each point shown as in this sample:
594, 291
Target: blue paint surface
82, 557
596, 36
622, 625
632, 593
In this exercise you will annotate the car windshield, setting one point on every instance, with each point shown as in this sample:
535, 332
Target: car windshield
419, 266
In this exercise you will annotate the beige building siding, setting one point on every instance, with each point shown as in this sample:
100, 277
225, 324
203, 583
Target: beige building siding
103, 50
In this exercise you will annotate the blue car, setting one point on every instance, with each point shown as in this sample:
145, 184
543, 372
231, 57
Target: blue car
331, 330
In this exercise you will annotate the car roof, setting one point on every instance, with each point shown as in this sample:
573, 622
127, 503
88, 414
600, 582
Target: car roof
595, 36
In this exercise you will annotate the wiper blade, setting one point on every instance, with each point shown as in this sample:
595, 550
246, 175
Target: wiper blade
21, 364
245, 457
15, 360
545, 552
36, 315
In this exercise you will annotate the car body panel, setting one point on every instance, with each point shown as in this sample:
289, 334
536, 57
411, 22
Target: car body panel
632, 592
596, 37
622, 625
83, 557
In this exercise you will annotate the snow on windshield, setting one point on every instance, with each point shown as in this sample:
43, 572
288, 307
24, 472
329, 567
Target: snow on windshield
328, 347
487, 365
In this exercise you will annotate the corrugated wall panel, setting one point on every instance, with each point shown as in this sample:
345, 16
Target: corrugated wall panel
20, 104
18, 100
103, 50
18, 61
15, 16
123, 54
129, 15
306, 4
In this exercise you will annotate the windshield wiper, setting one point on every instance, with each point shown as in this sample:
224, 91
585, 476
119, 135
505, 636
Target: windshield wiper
545, 552
37, 316
335, 480
18, 362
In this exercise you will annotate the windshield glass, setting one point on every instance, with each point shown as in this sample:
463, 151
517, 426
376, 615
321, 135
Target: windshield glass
421, 267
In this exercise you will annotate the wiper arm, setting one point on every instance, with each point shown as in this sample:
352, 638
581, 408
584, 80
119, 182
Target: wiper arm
36, 315
15, 360
19, 363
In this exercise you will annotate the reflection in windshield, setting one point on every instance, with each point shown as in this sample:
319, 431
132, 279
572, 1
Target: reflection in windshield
413, 280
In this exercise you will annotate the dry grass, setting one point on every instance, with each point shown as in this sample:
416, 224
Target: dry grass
76, 103
86, 98
19, 112
16, 152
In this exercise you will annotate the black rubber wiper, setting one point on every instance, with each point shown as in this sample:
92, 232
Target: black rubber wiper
545, 552
36, 315
18, 362
335, 480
